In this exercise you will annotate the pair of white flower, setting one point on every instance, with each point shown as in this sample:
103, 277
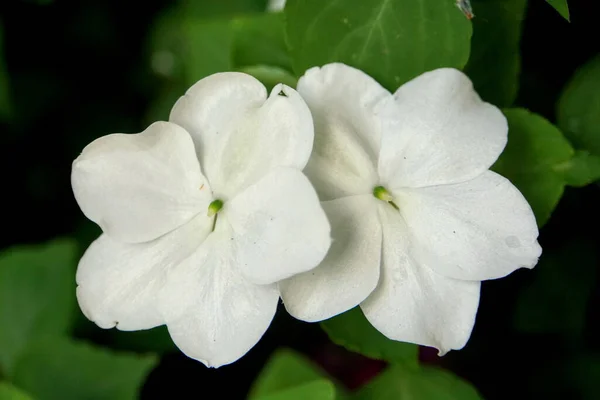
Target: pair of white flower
208, 219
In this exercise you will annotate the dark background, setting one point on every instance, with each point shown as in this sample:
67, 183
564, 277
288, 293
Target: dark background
80, 69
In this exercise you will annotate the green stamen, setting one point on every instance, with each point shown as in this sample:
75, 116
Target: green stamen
382, 194
213, 210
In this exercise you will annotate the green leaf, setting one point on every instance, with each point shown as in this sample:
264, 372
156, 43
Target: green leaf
260, 40
37, 295
9, 392
543, 307
579, 108
286, 369
391, 40
562, 7
494, 65
317, 390
220, 8
64, 369
5, 97
401, 383
540, 162
154, 340
352, 330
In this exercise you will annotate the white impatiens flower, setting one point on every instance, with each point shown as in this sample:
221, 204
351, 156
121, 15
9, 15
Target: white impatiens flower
201, 217
418, 220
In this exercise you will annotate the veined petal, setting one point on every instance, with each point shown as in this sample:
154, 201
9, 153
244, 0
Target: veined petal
344, 102
118, 282
214, 315
349, 272
240, 134
438, 132
476, 230
279, 227
414, 304
138, 187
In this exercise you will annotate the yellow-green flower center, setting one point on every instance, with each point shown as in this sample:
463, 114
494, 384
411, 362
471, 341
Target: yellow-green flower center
213, 209
382, 194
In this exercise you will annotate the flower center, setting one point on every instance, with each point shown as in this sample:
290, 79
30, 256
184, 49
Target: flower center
382, 194
213, 210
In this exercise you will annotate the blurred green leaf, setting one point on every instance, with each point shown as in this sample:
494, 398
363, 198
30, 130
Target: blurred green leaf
391, 40
556, 300
64, 369
494, 65
260, 40
270, 76
353, 331
37, 295
285, 370
220, 8
5, 98
399, 382
584, 374
540, 162
9, 392
562, 7
579, 108
317, 390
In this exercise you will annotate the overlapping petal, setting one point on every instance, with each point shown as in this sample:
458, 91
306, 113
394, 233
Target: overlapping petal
279, 227
414, 304
214, 314
349, 272
240, 133
477, 230
138, 187
118, 283
439, 132
345, 103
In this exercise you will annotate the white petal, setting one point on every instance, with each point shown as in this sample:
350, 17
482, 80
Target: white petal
138, 187
344, 103
240, 134
118, 282
349, 272
279, 227
439, 132
414, 304
213, 314
477, 230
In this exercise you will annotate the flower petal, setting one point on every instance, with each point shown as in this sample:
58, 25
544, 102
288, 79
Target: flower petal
118, 282
213, 314
349, 272
476, 230
439, 132
344, 102
414, 304
279, 227
141, 186
240, 134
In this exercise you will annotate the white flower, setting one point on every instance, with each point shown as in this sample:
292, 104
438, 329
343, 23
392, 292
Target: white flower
417, 218
201, 217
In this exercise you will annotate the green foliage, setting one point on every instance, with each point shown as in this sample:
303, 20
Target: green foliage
579, 108
562, 7
540, 162
399, 382
391, 40
286, 370
556, 300
352, 330
495, 63
9, 392
64, 369
37, 295
316, 390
